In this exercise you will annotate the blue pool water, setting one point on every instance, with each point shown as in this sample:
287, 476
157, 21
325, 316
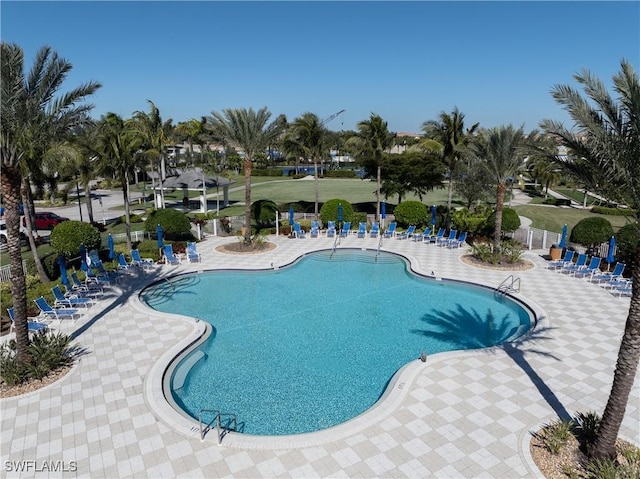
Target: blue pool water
311, 346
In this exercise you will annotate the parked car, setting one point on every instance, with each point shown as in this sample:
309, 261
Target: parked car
4, 238
46, 220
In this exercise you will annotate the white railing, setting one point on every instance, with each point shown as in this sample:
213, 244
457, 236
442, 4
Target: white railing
5, 273
135, 236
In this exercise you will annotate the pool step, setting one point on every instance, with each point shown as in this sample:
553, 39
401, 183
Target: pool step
183, 369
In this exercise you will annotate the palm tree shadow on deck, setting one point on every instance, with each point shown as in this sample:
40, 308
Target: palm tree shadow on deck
479, 331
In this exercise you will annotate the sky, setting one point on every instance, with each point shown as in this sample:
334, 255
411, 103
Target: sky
406, 61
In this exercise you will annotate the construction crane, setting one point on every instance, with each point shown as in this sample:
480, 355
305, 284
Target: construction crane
328, 119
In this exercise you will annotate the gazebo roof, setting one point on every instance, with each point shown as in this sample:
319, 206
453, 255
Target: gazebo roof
192, 179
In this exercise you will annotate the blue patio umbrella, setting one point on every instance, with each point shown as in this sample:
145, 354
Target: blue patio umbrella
83, 258
292, 218
434, 212
159, 232
63, 271
612, 250
563, 238
383, 210
112, 248
340, 217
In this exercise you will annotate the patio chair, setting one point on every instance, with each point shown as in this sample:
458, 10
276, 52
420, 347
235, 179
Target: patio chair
568, 258
457, 243
433, 238
331, 229
573, 267
406, 234
122, 263
32, 326
192, 253
169, 257
362, 230
99, 278
604, 277
391, 230
593, 268
314, 232
298, 232
375, 230
444, 240
86, 287
58, 313
623, 289
61, 300
78, 293
346, 227
136, 260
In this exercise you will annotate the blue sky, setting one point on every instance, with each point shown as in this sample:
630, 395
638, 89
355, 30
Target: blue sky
406, 61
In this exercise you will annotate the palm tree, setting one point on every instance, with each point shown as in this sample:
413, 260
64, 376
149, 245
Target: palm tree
448, 137
607, 139
155, 134
85, 161
501, 151
118, 145
32, 115
370, 143
308, 134
250, 132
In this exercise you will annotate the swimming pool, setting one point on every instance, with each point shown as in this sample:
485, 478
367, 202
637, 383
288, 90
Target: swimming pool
311, 346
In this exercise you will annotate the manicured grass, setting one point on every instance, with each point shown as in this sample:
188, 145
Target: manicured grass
578, 196
552, 218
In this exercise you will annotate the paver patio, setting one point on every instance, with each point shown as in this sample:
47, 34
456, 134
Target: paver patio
460, 414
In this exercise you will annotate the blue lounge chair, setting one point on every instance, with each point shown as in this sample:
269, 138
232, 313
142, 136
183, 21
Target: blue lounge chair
623, 289
98, 278
391, 230
331, 229
192, 253
169, 257
298, 232
62, 300
593, 268
87, 287
136, 260
375, 230
314, 232
457, 243
122, 262
604, 277
345, 228
407, 234
568, 258
433, 238
573, 267
32, 326
444, 240
58, 313
362, 230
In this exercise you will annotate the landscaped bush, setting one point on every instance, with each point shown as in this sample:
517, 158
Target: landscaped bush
329, 211
411, 213
510, 252
590, 232
627, 239
132, 219
67, 236
602, 210
510, 221
263, 213
472, 223
340, 174
175, 224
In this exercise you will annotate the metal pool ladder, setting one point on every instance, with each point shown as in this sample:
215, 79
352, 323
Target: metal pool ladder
221, 430
511, 284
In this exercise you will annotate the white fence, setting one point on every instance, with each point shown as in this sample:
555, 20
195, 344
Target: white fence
5, 274
536, 238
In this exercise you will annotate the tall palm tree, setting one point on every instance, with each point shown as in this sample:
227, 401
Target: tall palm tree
32, 115
501, 150
370, 143
85, 162
250, 132
447, 136
309, 134
607, 139
156, 134
118, 146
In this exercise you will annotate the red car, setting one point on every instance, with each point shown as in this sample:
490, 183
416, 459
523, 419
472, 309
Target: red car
46, 220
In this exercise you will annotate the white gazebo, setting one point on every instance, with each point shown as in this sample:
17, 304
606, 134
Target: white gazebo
196, 179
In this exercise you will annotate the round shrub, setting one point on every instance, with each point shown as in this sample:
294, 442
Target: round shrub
472, 223
510, 221
175, 224
132, 219
627, 239
67, 236
590, 232
411, 213
329, 211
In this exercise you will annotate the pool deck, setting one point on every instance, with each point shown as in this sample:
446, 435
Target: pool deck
458, 415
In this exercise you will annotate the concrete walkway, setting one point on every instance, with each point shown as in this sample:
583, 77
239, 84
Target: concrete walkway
459, 415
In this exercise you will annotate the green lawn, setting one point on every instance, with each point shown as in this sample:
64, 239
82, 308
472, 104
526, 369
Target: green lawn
578, 196
552, 218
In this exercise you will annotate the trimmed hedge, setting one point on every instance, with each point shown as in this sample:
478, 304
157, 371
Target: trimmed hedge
510, 221
175, 224
67, 236
411, 213
590, 232
340, 174
329, 211
603, 210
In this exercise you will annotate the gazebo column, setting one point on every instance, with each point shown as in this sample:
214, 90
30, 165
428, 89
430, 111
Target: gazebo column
225, 196
203, 202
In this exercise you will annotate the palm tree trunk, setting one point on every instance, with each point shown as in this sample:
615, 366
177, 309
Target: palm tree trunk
626, 368
315, 172
247, 199
127, 210
449, 198
25, 191
161, 178
497, 234
11, 182
378, 181
87, 200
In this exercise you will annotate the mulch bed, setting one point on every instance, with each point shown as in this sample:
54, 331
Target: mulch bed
521, 265
33, 384
241, 248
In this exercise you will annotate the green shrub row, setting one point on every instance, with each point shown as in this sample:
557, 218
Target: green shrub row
603, 210
266, 172
340, 174
557, 201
